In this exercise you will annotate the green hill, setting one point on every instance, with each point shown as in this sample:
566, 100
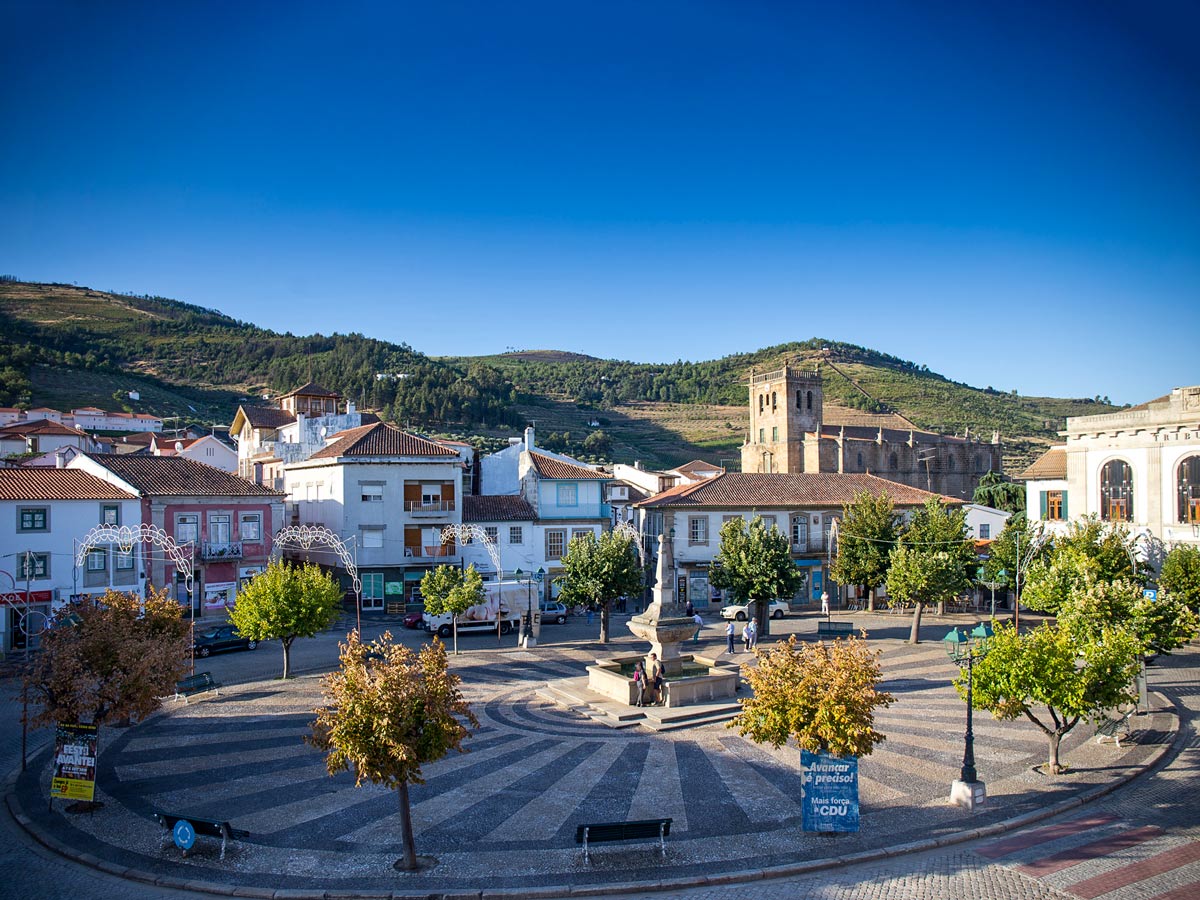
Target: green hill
67, 346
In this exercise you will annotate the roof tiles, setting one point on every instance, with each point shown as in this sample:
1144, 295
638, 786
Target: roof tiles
44, 483
1050, 465
178, 476
382, 439
822, 490
497, 508
549, 467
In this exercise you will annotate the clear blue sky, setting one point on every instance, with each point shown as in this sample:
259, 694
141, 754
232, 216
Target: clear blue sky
1010, 196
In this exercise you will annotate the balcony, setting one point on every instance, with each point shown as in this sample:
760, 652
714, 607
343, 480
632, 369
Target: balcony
210, 550
428, 508
425, 554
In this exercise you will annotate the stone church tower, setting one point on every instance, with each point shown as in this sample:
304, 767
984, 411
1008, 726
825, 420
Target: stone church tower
785, 405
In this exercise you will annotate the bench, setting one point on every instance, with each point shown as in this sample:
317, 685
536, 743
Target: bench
602, 832
839, 629
200, 683
202, 826
1114, 729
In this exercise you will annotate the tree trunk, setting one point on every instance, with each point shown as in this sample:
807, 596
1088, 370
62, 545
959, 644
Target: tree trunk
287, 656
762, 617
914, 636
409, 861
604, 621
941, 607
870, 595
1052, 765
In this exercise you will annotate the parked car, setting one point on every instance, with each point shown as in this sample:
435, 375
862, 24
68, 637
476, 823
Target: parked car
742, 611
413, 619
223, 637
553, 611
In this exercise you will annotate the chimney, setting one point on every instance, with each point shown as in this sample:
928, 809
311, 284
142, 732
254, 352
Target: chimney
529, 445
60, 458
350, 408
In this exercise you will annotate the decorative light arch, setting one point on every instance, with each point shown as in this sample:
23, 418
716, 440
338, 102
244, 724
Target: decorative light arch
125, 536
304, 537
626, 529
462, 534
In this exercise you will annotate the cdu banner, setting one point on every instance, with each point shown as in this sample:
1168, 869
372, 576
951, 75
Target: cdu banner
830, 801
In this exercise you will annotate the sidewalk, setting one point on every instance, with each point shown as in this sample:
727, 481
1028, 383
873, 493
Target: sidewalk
501, 818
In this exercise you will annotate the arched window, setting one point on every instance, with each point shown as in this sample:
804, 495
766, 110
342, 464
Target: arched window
1116, 491
893, 462
799, 400
1189, 490
772, 401
760, 403
810, 401
767, 462
860, 459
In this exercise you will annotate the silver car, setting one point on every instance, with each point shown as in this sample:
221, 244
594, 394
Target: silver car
554, 612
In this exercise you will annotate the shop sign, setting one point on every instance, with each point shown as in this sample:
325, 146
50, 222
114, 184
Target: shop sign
74, 762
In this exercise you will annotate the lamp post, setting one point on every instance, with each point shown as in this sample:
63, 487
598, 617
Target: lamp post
527, 632
963, 649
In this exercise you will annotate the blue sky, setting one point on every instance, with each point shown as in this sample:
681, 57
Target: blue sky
1010, 196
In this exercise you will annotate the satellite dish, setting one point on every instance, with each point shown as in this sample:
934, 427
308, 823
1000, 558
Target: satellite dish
323, 430
179, 446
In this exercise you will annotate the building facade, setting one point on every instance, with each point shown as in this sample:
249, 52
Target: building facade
789, 434
1139, 467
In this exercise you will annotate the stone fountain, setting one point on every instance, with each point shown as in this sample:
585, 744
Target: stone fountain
690, 679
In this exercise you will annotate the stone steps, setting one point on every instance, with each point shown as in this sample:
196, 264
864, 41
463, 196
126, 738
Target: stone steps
574, 694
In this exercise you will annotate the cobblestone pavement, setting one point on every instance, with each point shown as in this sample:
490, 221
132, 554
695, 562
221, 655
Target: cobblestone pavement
503, 815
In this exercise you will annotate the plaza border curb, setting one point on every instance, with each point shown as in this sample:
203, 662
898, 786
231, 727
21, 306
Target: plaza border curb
50, 842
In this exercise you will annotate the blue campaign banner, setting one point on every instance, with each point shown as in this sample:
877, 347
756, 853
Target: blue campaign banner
830, 801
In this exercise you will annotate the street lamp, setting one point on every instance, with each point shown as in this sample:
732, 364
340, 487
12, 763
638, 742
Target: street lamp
963, 649
527, 633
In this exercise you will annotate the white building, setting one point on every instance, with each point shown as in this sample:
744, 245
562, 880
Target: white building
44, 512
1139, 467
985, 523
210, 450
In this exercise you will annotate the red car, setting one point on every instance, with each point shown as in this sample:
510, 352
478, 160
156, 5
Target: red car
412, 620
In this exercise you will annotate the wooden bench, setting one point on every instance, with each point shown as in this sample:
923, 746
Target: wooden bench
202, 826
200, 683
1114, 729
839, 629
601, 832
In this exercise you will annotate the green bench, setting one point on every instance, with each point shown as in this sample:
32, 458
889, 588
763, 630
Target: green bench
200, 683
603, 832
202, 826
1114, 729
835, 629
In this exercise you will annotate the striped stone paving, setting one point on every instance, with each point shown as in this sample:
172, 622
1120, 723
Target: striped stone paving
506, 811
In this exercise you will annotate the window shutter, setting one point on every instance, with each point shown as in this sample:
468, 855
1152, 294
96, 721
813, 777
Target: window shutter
1043, 501
1066, 515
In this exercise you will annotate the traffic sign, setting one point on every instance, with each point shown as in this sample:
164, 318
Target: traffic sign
1150, 594
185, 834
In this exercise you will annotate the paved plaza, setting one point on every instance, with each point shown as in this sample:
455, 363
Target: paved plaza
502, 817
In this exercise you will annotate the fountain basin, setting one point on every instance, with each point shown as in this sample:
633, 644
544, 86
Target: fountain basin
701, 680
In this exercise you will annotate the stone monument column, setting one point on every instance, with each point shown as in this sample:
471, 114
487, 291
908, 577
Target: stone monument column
662, 624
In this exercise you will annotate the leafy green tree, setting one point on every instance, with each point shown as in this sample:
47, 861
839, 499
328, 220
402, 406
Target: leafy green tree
1054, 677
998, 492
932, 561
1111, 546
387, 712
1003, 561
1159, 626
597, 443
1180, 575
821, 695
597, 572
869, 528
448, 589
755, 563
285, 602
1053, 579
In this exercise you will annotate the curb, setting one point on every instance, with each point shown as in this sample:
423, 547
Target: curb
50, 842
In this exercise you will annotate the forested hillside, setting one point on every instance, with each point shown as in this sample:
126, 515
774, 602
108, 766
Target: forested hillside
67, 346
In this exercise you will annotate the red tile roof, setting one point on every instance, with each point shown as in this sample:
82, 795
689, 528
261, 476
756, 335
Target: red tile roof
697, 467
1051, 465
496, 508
41, 426
823, 490
44, 483
178, 476
381, 439
549, 467
267, 416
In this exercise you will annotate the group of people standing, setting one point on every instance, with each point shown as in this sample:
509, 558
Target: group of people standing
749, 636
648, 682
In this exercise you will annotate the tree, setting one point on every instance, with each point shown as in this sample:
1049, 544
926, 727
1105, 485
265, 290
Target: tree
1002, 564
822, 695
387, 712
932, 561
755, 563
598, 443
1110, 546
998, 492
870, 526
597, 572
285, 602
448, 589
1180, 575
1159, 626
1071, 676
1053, 579
109, 660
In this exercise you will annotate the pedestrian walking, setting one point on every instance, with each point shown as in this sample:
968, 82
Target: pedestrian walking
752, 628
824, 604
746, 636
730, 632
589, 614
699, 625
639, 685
